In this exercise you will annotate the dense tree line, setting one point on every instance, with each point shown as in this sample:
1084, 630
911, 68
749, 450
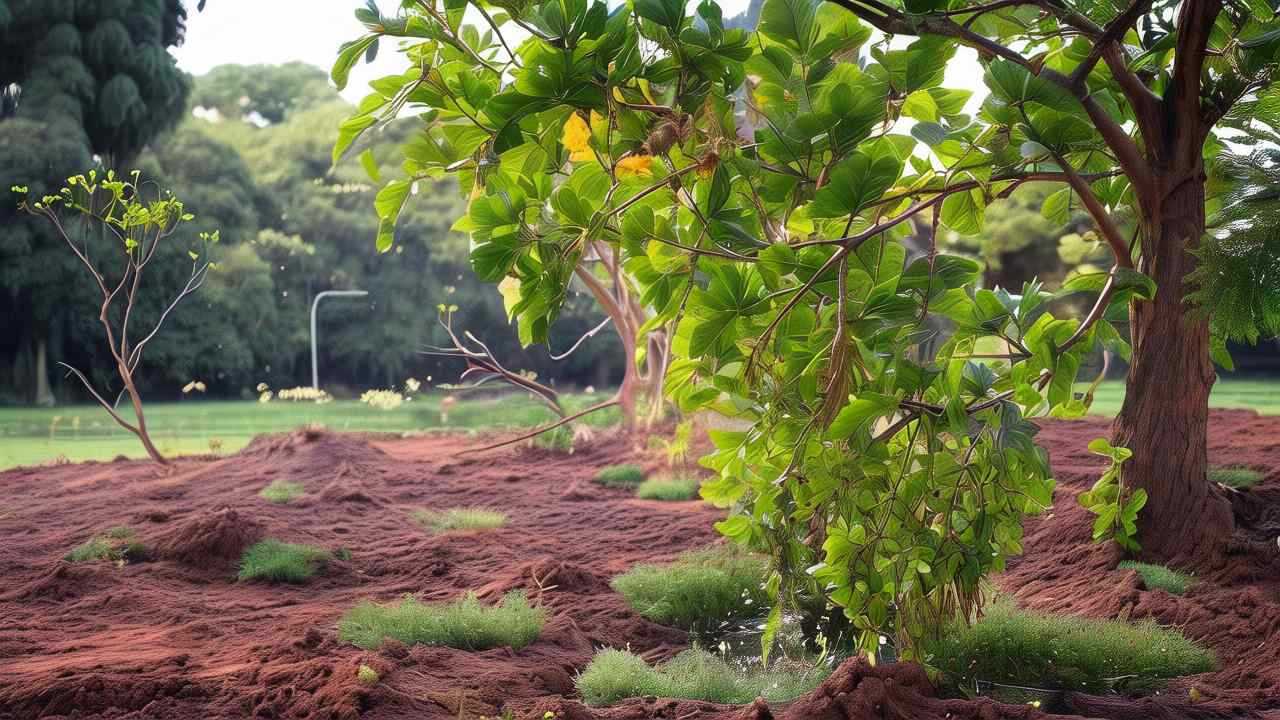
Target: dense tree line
252, 158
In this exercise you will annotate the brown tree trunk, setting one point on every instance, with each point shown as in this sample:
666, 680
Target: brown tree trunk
1164, 419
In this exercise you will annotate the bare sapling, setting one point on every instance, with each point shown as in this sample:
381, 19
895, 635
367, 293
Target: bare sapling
117, 234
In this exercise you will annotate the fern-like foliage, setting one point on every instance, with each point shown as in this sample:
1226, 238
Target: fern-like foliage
1238, 281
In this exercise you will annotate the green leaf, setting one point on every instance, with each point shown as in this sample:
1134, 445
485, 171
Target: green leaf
859, 413
790, 22
963, 212
370, 165
348, 57
854, 183
348, 132
667, 13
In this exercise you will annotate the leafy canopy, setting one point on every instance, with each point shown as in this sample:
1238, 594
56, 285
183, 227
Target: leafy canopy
760, 189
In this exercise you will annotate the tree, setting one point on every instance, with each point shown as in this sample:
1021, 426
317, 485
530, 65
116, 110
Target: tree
1135, 89
773, 222
598, 268
79, 79
120, 222
1116, 103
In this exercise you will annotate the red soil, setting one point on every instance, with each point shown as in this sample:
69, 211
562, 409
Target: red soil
177, 638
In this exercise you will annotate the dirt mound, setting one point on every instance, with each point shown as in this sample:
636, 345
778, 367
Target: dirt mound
62, 581
338, 449
208, 541
177, 638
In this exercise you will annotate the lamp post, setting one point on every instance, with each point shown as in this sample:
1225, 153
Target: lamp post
315, 366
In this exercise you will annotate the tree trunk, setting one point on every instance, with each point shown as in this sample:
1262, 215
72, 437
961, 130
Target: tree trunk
44, 395
1164, 419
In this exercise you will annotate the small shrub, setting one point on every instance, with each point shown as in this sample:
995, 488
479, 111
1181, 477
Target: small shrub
559, 440
1020, 647
276, 561
466, 624
465, 518
620, 476
700, 591
119, 544
1235, 477
694, 674
1159, 576
281, 491
367, 676
669, 488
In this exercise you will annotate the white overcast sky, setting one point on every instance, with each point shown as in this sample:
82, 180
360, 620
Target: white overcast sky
250, 32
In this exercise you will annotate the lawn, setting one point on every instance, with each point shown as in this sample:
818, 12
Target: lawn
1260, 395
85, 432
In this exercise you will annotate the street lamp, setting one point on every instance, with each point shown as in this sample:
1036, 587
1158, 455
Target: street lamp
315, 372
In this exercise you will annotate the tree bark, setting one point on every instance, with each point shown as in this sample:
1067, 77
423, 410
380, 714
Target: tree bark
1164, 419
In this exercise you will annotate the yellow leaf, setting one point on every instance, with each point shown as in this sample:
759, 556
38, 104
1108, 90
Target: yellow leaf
635, 165
577, 138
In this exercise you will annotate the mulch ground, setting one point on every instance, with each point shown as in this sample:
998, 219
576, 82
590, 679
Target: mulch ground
176, 637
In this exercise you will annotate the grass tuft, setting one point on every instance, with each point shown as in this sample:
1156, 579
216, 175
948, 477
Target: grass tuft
628, 476
558, 440
673, 489
1239, 478
281, 491
1159, 576
463, 518
276, 561
1019, 647
694, 674
466, 623
367, 676
117, 545
699, 591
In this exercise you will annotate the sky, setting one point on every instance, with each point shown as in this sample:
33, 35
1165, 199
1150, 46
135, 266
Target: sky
250, 32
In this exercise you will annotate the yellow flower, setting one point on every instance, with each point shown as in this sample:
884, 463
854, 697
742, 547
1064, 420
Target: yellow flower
635, 165
577, 138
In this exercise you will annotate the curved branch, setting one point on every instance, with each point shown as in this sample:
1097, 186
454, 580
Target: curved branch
600, 406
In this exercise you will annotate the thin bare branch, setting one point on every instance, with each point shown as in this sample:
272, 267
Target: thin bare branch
600, 406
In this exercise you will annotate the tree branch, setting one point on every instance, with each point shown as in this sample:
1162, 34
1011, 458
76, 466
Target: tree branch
600, 406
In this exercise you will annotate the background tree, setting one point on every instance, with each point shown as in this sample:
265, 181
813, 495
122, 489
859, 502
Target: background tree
80, 79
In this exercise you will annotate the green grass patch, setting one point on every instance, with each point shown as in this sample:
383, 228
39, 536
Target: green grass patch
558, 440
117, 544
1020, 647
627, 476
466, 623
276, 561
673, 488
282, 491
694, 674
700, 591
1235, 477
463, 518
1159, 576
